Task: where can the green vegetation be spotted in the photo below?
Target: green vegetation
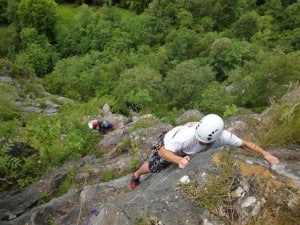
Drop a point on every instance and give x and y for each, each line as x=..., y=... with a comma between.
x=134, y=164
x=277, y=213
x=124, y=145
x=108, y=175
x=67, y=15
x=218, y=194
x=145, y=122
x=146, y=220
x=215, y=192
x=127, y=145
x=283, y=129
x=158, y=57
x=18, y=169
x=62, y=137
x=169, y=56
x=66, y=184
x=38, y=14
x=8, y=111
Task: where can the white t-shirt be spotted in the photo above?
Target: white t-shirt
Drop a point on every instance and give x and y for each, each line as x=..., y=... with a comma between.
x=182, y=140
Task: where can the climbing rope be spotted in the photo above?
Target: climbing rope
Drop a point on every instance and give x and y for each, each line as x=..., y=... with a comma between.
x=93, y=211
x=80, y=210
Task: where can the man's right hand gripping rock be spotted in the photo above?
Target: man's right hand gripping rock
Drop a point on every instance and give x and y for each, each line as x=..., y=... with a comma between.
x=184, y=162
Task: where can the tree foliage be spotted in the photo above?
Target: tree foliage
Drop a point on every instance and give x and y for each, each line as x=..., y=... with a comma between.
x=8, y=111
x=139, y=88
x=181, y=44
x=97, y=45
x=61, y=137
x=72, y=77
x=291, y=17
x=36, y=53
x=38, y=14
x=266, y=76
x=246, y=26
x=36, y=58
x=215, y=98
x=227, y=54
x=3, y=11
x=184, y=84
x=8, y=41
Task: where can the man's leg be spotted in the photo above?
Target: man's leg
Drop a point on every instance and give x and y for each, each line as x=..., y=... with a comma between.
x=144, y=169
x=135, y=180
x=154, y=165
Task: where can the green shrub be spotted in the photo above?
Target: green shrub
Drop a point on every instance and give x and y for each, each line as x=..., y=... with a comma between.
x=66, y=184
x=215, y=98
x=283, y=129
x=215, y=192
x=127, y=145
x=230, y=110
x=146, y=220
x=268, y=75
x=10, y=129
x=14, y=70
x=133, y=153
x=108, y=175
x=124, y=145
x=62, y=137
x=144, y=123
x=35, y=58
x=17, y=171
x=139, y=88
x=185, y=93
x=39, y=14
x=228, y=54
x=169, y=116
x=8, y=110
x=78, y=77
x=10, y=115
x=8, y=41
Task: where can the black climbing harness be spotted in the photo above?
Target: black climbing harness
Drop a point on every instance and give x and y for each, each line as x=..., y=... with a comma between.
x=156, y=163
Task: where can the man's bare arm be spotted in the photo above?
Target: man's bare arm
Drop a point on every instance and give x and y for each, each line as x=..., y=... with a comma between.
x=247, y=145
x=173, y=158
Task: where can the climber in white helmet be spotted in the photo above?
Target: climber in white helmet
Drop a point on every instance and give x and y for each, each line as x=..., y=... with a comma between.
x=177, y=145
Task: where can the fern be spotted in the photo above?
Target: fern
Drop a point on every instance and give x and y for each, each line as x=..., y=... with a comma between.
x=3, y=161
x=4, y=150
x=8, y=163
x=14, y=163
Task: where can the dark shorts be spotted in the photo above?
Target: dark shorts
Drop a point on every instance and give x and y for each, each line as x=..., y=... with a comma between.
x=156, y=163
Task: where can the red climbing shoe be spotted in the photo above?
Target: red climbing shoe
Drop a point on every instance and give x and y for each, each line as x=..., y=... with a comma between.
x=134, y=182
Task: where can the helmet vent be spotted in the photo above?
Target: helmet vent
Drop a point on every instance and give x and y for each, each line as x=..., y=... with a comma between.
x=209, y=138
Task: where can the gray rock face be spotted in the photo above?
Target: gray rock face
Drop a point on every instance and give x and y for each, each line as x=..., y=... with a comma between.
x=36, y=101
x=159, y=196
x=192, y=113
x=115, y=203
x=106, y=110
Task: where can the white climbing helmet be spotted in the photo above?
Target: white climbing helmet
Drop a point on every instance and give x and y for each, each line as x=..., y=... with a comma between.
x=93, y=124
x=209, y=128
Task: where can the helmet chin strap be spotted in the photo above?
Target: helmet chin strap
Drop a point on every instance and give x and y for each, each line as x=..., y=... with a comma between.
x=203, y=143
